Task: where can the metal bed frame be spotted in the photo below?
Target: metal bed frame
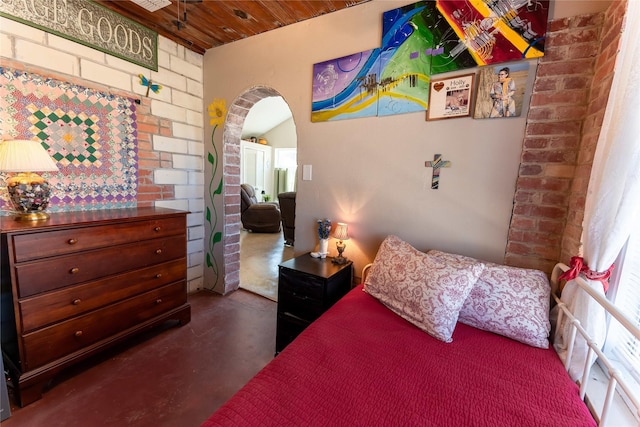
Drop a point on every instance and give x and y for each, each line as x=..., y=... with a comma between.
x=615, y=376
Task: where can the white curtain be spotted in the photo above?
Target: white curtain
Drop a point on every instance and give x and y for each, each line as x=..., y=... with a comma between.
x=613, y=198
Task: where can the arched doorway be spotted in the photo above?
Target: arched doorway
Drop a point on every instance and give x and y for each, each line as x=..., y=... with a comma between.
x=236, y=115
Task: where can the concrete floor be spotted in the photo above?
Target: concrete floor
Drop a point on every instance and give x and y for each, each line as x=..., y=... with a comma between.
x=173, y=377
x=260, y=254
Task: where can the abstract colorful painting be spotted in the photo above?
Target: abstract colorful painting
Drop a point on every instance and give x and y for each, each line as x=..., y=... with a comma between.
x=346, y=87
x=421, y=40
x=468, y=33
x=90, y=134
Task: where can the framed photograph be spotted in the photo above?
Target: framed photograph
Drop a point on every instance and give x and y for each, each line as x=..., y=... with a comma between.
x=500, y=91
x=451, y=97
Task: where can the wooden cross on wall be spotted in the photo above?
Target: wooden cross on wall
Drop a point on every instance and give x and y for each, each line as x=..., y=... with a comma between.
x=436, y=164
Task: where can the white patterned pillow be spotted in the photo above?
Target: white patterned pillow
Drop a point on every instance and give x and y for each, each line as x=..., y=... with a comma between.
x=509, y=301
x=424, y=289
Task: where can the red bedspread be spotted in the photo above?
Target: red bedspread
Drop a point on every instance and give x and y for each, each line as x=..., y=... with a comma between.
x=362, y=365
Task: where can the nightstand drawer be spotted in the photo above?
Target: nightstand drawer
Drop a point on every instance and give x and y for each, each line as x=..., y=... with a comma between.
x=47, y=308
x=66, y=337
x=307, y=287
x=302, y=306
x=39, y=245
x=300, y=284
x=288, y=329
x=57, y=272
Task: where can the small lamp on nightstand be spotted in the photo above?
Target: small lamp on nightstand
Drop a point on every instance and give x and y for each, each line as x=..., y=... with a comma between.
x=341, y=234
x=29, y=192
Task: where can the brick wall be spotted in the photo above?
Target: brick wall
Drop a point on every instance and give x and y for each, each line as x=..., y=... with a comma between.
x=566, y=112
x=170, y=124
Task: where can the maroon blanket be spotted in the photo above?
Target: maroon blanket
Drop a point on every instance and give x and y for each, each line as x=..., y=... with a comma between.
x=362, y=365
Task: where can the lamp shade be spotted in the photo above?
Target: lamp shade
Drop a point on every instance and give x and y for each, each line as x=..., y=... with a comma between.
x=25, y=156
x=340, y=232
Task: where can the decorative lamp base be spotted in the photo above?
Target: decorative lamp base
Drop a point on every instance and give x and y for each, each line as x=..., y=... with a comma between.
x=340, y=260
x=29, y=193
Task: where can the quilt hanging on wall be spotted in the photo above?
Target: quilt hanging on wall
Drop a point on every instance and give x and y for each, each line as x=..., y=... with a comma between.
x=420, y=40
x=90, y=134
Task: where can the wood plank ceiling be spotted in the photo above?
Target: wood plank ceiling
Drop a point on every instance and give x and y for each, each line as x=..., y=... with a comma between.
x=201, y=25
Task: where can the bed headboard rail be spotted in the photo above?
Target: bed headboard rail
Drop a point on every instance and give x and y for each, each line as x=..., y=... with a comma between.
x=615, y=376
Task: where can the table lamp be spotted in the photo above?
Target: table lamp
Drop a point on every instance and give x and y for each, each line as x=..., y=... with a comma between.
x=29, y=192
x=341, y=234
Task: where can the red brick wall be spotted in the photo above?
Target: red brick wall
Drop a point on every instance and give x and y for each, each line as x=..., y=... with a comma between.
x=567, y=107
x=149, y=160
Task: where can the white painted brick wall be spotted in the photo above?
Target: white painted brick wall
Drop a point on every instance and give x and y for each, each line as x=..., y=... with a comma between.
x=196, y=233
x=22, y=31
x=169, y=78
x=193, y=117
x=45, y=57
x=188, y=191
x=196, y=205
x=172, y=145
x=105, y=75
x=181, y=205
x=187, y=162
x=6, y=46
x=75, y=49
x=196, y=147
x=171, y=176
x=195, y=88
x=187, y=131
x=187, y=101
x=169, y=111
x=183, y=67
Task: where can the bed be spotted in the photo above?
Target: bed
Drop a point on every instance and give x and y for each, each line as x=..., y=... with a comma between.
x=368, y=362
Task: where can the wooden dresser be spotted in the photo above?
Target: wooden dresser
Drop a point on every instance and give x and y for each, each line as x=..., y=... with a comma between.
x=81, y=281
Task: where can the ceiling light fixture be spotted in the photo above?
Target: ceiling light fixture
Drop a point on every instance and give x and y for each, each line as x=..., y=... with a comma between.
x=152, y=5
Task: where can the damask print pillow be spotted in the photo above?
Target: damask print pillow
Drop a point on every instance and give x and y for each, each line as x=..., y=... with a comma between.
x=509, y=301
x=426, y=290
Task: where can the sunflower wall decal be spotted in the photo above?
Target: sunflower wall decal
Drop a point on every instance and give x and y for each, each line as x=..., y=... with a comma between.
x=217, y=113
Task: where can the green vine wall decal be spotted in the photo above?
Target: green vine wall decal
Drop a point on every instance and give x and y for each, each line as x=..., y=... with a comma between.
x=217, y=112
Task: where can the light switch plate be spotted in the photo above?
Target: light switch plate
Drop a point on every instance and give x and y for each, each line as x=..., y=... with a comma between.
x=306, y=172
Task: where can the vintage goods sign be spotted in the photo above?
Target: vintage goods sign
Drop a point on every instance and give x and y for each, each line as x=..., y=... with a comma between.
x=88, y=23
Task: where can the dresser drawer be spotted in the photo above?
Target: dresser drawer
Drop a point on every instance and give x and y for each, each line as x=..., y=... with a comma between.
x=54, y=273
x=47, y=308
x=53, y=342
x=39, y=245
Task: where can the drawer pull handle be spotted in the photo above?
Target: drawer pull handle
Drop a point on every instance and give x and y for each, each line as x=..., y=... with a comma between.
x=159, y=301
x=74, y=270
x=77, y=301
x=159, y=275
x=158, y=251
x=157, y=229
x=78, y=333
x=72, y=241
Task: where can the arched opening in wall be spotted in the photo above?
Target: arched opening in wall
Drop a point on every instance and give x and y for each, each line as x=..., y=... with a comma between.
x=253, y=253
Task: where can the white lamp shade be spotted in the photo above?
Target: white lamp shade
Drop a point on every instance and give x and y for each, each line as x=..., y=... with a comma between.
x=25, y=156
x=340, y=232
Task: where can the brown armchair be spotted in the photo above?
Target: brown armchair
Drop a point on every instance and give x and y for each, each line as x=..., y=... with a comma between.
x=288, y=212
x=255, y=216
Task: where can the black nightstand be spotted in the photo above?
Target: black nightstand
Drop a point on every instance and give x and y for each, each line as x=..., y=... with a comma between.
x=307, y=287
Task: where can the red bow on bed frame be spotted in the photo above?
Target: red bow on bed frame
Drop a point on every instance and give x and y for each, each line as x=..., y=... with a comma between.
x=577, y=266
